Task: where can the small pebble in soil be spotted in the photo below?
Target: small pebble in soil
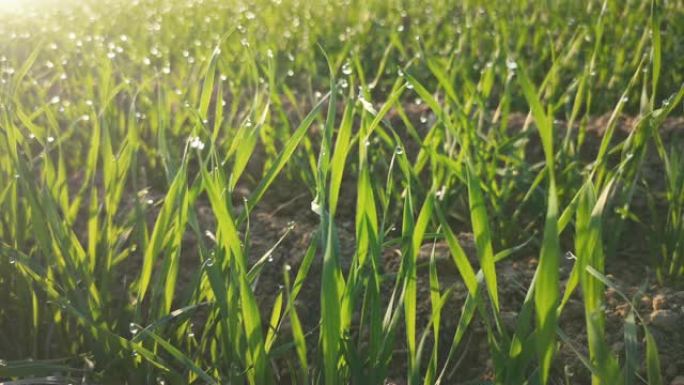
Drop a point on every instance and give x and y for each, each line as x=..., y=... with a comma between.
x=659, y=302
x=667, y=320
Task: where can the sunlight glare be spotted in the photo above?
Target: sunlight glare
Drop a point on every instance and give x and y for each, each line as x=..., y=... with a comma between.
x=13, y=6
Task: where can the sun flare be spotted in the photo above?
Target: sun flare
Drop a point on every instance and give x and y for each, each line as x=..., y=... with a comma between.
x=10, y=3
x=23, y=6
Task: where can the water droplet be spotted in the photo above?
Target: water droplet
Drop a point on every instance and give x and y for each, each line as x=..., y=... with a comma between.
x=367, y=105
x=346, y=68
x=440, y=194
x=399, y=150
x=210, y=262
x=133, y=328
x=196, y=143
x=315, y=207
x=423, y=118
x=288, y=267
x=50, y=139
x=511, y=64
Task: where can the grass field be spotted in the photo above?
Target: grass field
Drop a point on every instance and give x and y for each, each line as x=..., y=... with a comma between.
x=342, y=192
